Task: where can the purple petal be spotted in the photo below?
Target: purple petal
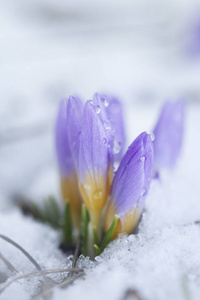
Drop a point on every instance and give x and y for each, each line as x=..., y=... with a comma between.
x=133, y=176
x=193, y=42
x=99, y=106
x=63, y=151
x=67, y=128
x=74, y=122
x=110, y=111
x=93, y=154
x=148, y=162
x=169, y=134
x=115, y=114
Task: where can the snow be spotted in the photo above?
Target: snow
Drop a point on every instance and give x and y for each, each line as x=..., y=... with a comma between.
x=49, y=51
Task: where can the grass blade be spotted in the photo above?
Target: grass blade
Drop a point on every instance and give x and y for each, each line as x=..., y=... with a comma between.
x=109, y=234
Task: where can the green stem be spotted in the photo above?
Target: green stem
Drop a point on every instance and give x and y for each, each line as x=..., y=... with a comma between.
x=67, y=225
x=84, y=229
x=90, y=241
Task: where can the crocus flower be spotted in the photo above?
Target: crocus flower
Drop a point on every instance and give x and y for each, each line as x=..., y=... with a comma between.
x=86, y=147
x=130, y=185
x=86, y=138
x=68, y=175
x=169, y=134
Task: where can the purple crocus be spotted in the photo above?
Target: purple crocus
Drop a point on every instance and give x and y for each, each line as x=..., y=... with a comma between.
x=86, y=138
x=169, y=134
x=130, y=185
x=89, y=140
x=68, y=175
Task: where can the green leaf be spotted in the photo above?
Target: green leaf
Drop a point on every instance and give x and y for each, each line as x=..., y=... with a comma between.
x=51, y=212
x=39, y=213
x=67, y=225
x=97, y=250
x=84, y=228
x=55, y=212
x=47, y=211
x=109, y=234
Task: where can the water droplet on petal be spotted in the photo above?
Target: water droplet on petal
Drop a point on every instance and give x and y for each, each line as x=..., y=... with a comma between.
x=109, y=144
x=98, y=195
x=105, y=102
x=152, y=136
x=107, y=126
x=143, y=192
x=116, y=147
x=115, y=166
x=87, y=187
x=142, y=158
x=97, y=109
x=104, y=140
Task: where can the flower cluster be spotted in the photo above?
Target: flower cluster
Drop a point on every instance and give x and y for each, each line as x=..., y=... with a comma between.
x=90, y=143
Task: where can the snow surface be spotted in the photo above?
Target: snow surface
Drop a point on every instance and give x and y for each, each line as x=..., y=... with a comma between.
x=49, y=51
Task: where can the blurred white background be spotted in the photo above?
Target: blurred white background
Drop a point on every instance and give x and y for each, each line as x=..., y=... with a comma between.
x=144, y=51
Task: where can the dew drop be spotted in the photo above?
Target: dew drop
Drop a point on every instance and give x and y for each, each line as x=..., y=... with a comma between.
x=87, y=186
x=104, y=140
x=109, y=145
x=116, y=147
x=105, y=102
x=143, y=192
x=107, y=126
x=115, y=166
x=152, y=136
x=142, y=158
x=97, y=109
x=98, y=194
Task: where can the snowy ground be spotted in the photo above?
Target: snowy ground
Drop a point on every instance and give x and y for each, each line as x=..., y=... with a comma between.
x=49, y=51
